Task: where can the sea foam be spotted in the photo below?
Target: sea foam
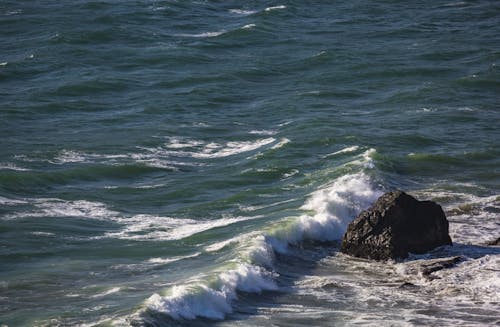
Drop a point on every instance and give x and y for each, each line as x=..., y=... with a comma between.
x=212, y=300
x=330, y=207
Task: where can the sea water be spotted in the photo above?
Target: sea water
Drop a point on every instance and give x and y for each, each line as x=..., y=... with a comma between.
x=195, y=163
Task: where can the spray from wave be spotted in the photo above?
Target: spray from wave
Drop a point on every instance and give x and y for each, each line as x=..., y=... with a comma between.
x=329, y=211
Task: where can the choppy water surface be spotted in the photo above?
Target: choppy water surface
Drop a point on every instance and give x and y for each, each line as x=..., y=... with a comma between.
x=169, y=163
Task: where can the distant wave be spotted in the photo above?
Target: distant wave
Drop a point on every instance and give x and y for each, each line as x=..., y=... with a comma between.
x=11, y=166
x=242, y=12
x=275, y=8
x=203, y=34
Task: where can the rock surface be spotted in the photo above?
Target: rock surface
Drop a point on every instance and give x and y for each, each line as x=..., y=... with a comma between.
x=494, y=242
x=396, y=225
x=438, y=264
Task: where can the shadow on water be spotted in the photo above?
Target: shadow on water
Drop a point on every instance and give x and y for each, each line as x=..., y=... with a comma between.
x=300, y=261
x=470, y=251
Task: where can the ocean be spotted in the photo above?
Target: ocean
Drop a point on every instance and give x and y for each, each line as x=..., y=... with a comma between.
x=195, y=163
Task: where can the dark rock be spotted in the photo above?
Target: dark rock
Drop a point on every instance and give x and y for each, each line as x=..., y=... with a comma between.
x=439, y=264
x=408, y=285
x=394, y=226
x=494, y=242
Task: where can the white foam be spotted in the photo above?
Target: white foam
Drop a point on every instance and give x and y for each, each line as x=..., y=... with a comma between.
x=179, y=143
x=152, y=157
x=345, y=150
x=11, y=166
x=332, y=207
x=248, y=26
x=220, y=245
x=212, y=300
x=275, y=8
x=69, y=156
x=293, y=172
x=474, y=283
x=478, y=279
x=242, y=12
x=364, y=159
x=164, y=261
x=263, y=132
x=53, y=207
x=10, y=202
x=3, y=63
x=281, y=143
x=14, y=12
x=79, y=208
x=473, y=219
x=42, y=234
x=254, y=208
x=204, y=34
x=107, y=292
x=216, y=150
x=158, y=228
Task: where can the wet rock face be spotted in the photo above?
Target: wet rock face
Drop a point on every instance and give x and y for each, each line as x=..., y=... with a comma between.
x=494, y=242
x=394, y=226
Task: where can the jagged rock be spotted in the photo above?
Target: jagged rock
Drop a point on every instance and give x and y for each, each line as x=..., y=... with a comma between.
x=408, y=285
x=439, y=264
x=494, y=242
x=396, y=225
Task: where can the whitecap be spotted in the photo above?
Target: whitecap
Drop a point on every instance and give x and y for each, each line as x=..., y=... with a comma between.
x=11, y=166
x=281, y=143
x=53, y=207
x=342, y=151
x=216, y=150
x=285, y=123
x=332, y=208
x=203, y=35
x=107, y=292
x=158, y=228
x=248, y=26
x=180, y=143
x=234, y=240
x=14, y=12
x=70, y=156
x=293, y=172
x=212, y=300
x=263, y=132
x=275, y=8
x=164, y=261
x=10, y=202
x=242, y=12
x=42, y=234
x=364, y=159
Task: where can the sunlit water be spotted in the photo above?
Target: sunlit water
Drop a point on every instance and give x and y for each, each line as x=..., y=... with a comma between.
x=195, y=163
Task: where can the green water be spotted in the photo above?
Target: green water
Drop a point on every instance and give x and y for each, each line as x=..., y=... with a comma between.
x=148, y=145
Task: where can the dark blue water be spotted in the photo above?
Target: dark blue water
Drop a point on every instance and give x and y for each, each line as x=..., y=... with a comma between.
x=170, y=162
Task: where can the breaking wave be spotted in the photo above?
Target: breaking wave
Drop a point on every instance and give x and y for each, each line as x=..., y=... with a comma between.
x=329, y=210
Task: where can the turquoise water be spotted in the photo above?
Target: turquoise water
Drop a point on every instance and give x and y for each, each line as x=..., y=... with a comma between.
x=169, y=163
